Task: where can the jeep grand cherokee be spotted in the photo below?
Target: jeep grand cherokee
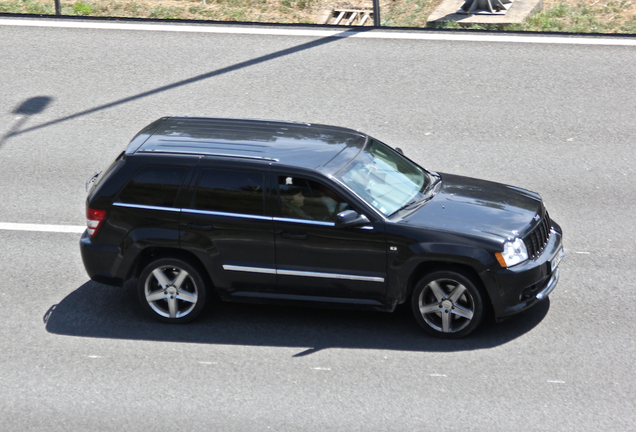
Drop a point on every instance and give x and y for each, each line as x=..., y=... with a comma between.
x=278, y=212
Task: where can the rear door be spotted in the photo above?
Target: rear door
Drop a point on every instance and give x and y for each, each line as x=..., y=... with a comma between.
x=225, y=224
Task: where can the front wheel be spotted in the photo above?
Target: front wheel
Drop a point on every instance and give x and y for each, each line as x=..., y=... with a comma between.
x=172, y=290
x=448, y=304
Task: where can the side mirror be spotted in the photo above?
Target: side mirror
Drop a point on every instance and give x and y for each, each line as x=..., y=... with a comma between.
x=350, y=218
x=399, y=150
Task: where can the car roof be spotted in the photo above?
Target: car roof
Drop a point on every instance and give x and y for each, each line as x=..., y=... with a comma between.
x=298, y=144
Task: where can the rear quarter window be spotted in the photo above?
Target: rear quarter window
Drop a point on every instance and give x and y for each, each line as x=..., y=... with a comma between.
x=154, y=186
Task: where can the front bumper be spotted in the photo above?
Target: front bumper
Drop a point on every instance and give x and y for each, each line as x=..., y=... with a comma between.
x=551, y=285
x=518, y=288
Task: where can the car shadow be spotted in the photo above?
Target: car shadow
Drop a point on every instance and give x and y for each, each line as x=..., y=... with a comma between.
x=101, y=311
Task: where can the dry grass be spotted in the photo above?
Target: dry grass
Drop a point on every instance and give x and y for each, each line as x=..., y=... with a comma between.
x=271, y=11
x=595, y=16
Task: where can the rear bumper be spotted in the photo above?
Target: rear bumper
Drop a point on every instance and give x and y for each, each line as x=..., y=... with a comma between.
x=99, y=261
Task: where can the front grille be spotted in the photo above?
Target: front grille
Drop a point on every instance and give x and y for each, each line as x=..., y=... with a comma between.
x=539, y=237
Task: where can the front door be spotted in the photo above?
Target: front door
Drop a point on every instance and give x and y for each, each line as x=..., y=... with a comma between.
x=315, y=259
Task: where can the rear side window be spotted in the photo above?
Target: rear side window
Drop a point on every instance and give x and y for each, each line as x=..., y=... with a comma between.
x=230, y=192
x=154, y=186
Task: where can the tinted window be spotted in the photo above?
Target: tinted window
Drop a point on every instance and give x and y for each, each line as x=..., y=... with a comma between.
x=230, y=192
x=155, y=186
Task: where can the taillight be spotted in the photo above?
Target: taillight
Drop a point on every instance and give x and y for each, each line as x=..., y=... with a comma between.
x=94, y=219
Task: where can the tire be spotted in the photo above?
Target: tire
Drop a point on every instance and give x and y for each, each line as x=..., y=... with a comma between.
x=172, y=290
x=448, y=304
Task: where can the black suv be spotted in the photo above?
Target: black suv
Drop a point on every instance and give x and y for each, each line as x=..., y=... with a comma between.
x=262, y=211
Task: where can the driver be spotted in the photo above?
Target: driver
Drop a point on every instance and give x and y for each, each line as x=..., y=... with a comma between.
x=304, y=199
x=293, y=204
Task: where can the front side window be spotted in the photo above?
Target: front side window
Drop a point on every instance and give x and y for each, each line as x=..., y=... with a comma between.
x=306, y=199
x=154, y=186
x=230, y=192
x=384, y=178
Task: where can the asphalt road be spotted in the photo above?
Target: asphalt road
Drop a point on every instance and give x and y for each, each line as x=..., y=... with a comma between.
x=556, y=118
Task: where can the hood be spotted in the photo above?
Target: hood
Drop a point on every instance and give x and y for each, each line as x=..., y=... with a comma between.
x=473, y=206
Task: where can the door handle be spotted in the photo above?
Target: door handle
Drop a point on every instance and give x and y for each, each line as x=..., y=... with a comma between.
x=294, y=236
x=196, y=226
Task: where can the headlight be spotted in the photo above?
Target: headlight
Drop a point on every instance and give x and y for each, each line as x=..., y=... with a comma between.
x=514, y=252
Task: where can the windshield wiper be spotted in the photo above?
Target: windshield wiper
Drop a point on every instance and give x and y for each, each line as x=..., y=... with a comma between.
x=91, y=180
x=429, y=189
x=421, y=197
x=436, y=179
x=410, y=204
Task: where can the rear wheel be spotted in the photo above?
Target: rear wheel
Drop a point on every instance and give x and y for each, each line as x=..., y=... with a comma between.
x=172, y=290
x=448, y=304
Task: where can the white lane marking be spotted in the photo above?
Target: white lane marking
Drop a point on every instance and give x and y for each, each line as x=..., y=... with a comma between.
x=42, y=228
x=556, y=382
x=320, y=32
x=583, y=253
x=321, y=368
x=438, y=375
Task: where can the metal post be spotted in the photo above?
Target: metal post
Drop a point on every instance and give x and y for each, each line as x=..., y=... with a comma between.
x=376, y=13
x=58, y=8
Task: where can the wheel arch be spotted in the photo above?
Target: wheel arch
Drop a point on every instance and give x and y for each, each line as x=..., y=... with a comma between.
x=426, y=267
x=149, y=254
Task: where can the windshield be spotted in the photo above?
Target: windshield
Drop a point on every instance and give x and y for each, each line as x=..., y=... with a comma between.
x=384, y=178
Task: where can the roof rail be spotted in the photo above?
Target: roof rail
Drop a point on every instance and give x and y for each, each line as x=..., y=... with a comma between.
x=207, y=153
